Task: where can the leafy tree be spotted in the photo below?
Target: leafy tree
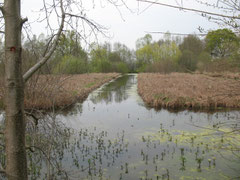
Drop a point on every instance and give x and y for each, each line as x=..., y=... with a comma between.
x=169, y=51
x=188, y=61
x=222, y=42
x=141, y=42
x=69, y=43
x=126, y=55
x=103, y=59
x=151, y=52
x=193, y=44
x=99, y=59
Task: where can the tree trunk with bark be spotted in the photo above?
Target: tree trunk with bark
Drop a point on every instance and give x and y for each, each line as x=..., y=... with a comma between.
x=16, y=168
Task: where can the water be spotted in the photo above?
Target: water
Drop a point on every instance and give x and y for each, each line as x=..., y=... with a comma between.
x=113, y=135
x=118, y=137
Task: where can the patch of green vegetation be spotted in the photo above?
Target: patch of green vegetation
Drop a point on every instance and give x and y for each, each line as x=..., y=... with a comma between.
x=207, y=138
x=163, y=97
x=89, y=85
x=204, y=151
x=74, y=93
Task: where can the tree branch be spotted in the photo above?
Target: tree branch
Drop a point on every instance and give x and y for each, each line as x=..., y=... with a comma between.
x=24, y=20
x=44, y=59
x=2, y=9
x=189, y=9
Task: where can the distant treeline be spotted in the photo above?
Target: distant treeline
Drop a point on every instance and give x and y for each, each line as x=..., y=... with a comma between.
x=218, y=51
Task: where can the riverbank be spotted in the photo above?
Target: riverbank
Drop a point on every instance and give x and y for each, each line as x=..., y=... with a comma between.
x=63, y=90
x=58, y=91
x=190, y=91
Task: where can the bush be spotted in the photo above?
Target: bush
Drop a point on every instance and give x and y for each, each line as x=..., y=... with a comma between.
x=101, y=65
x=121, y=67
x=71, y=65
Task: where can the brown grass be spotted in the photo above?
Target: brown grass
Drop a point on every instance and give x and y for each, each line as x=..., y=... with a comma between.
x=56, y=91
x=190, y=91
x=48, y=91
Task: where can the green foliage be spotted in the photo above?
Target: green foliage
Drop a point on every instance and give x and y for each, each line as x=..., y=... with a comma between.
x=170, y=51
x=152, y=53
x=103, y=59
x=203, y=60
x=69, y=44
x=222, y=42
x=122, y=67
x=71, y=65
x=141, y=42
x=193, y=44
x=188, y=61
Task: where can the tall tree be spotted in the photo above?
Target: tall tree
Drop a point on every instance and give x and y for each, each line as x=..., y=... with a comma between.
x=222, y=42
x=14, y=92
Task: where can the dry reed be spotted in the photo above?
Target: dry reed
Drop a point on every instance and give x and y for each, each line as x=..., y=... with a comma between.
x=56, y=91
x=48, y=91
x=190, y=91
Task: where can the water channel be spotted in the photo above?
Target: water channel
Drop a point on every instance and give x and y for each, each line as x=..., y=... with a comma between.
x=120, y=138
x=115, y=136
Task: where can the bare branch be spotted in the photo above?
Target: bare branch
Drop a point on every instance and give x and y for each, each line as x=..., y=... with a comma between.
x=44, y=59
x=175, y=34
x=1, y=9
x=24, y=20
x=190, y=9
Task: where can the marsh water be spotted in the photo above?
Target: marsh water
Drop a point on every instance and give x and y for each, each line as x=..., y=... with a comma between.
x=114, y=135
x=117, y=137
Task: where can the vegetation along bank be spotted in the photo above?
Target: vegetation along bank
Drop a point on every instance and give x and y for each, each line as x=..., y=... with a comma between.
x=190, y=91
x=48, y=91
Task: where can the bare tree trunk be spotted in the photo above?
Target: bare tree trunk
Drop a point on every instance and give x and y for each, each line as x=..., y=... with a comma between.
x=14, y=99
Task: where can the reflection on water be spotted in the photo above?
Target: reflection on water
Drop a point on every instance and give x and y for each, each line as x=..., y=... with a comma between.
x=112, y=135
x=115, y=91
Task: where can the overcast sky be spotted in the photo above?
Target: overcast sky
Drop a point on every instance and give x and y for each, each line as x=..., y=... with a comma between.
x=128, y=26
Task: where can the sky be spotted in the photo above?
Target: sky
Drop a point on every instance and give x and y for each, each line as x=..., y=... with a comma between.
x=126, y=26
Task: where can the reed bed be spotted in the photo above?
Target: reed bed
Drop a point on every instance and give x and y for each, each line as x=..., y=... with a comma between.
x=190, y=91
x=57, y=91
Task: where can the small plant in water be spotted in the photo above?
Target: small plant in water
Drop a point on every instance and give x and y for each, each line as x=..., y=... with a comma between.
x=199, y=161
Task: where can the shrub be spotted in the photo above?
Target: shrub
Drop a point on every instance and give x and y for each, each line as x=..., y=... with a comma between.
x=71, y=65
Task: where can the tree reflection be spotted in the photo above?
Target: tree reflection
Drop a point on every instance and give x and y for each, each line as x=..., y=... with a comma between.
x=115, y=91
